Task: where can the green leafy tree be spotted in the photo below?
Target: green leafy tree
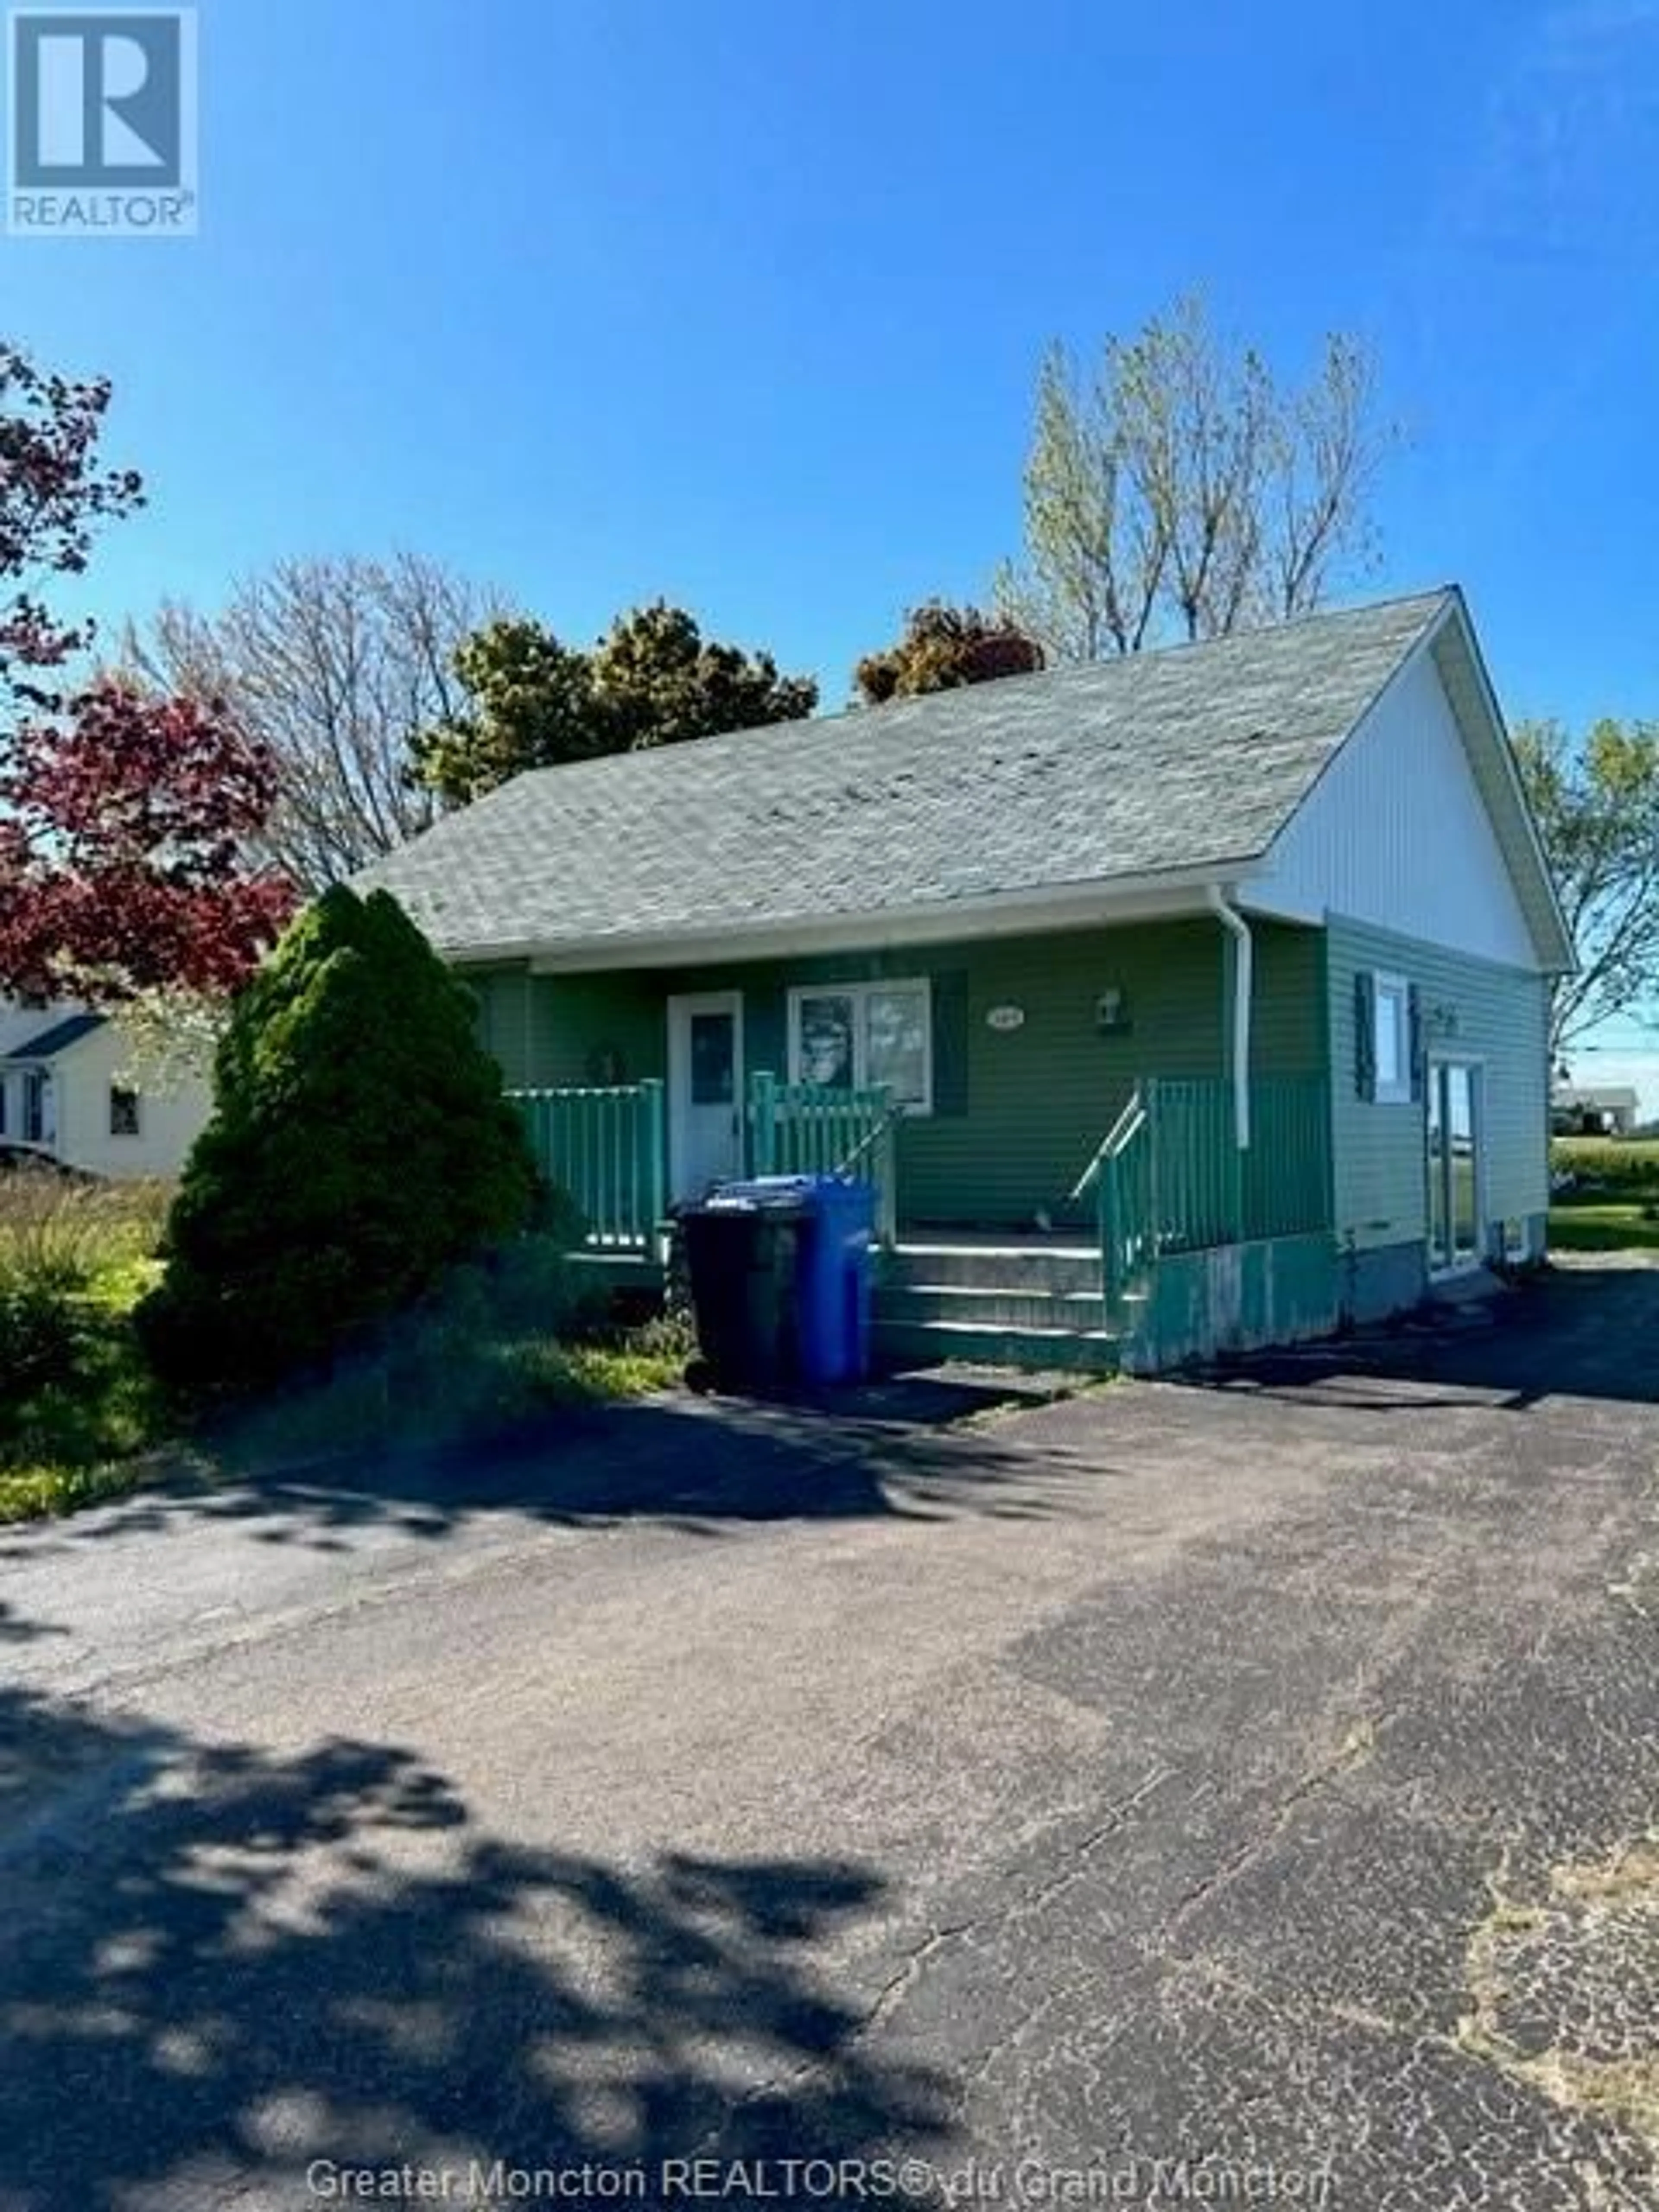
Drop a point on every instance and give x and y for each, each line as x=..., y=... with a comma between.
x=359, y=1147
x=660, y=681
x=653, y=679
x=943, y=646
x=1596, y=801
x=1182, y=490
x=530, y=703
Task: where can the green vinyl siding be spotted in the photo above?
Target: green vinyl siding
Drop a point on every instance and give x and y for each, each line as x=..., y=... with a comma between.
x=598, y=1028
x=1018, y=1112
x=548, y=1030
x=1470, y=1008
x=502, y=999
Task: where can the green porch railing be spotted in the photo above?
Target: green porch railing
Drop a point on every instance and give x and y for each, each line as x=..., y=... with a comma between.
x=806, y=1128
x=1170, y=1176
x=605, y=1146
x=1287, y=1173
x=1122, y=1174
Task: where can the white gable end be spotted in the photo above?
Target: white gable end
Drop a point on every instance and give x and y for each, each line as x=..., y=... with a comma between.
x=1397, y=833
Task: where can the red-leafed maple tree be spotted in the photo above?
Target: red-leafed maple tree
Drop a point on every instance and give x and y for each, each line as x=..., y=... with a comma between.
x=125, y=819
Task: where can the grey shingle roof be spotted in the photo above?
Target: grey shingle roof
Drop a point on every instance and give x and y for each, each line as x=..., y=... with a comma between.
x=1186, y=758
x=46, y=1043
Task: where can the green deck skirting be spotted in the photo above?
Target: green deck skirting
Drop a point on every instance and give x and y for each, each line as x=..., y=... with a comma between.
x=1238, y=1297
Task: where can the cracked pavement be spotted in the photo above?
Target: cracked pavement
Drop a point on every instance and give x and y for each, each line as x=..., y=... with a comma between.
x=1197, y=1788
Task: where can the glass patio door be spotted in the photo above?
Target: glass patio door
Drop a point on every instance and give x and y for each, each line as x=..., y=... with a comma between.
x=1455, y=1165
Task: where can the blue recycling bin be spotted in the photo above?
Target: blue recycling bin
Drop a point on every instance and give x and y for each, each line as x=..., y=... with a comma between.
x=780, y=1279
x=833, y=1281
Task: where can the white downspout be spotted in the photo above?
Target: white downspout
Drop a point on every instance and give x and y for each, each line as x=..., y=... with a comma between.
x=1231, y=920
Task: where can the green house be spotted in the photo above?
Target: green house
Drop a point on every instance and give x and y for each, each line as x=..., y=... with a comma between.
x=1183, y=1001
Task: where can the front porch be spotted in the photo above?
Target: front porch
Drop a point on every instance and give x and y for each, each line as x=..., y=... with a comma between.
x=1202, y=1220
x=1050, y=1120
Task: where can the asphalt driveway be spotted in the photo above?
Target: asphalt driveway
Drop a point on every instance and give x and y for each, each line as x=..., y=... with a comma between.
x=1213, y=1793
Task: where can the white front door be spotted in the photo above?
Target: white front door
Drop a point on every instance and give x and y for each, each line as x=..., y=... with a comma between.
x=705, y=1090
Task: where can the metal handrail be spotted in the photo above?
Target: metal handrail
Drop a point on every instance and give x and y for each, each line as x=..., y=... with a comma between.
x=1127, y=1126
x=894, y=1114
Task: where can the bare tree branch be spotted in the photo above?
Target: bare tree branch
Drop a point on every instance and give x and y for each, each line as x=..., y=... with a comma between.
x=339, y=665
x=1184, y=492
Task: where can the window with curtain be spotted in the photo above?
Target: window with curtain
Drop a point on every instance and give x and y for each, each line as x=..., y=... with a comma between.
x=853, y=1036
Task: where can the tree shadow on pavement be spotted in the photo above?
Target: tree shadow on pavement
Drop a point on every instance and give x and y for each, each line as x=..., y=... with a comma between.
x=699, y=1464
x=219, y=1965
x=15, y=1628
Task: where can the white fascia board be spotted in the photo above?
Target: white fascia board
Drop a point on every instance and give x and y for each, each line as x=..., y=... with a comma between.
x=1565, y=960
x=1102, y=903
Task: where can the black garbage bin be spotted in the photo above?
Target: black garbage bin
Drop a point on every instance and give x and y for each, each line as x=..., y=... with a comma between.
x=780, y=1280
x=742, y=1248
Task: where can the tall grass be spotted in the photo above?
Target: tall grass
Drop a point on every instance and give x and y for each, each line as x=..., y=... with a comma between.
x=497, y=1343
x=56, y=1232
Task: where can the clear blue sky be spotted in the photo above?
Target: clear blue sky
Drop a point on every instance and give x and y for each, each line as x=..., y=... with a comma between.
x=742, y=303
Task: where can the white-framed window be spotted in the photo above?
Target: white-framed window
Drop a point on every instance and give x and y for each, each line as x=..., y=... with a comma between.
x=853, y=1036
x=1391, y=1039
x=123, y=1110
x=35, y=1107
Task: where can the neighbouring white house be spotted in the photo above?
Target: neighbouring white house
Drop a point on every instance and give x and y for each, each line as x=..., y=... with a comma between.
x=1578, y=1110
x=67, y=1089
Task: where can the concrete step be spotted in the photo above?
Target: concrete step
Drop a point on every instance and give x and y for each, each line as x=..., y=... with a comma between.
x=1039, y=1268
x=1005, y=1305
x=1093, y=1352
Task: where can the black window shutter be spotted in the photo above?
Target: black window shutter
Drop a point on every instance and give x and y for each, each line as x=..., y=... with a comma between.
x=950, y=1042
x=1416, y=1041
x=766, y=1032
x=1365, y=1034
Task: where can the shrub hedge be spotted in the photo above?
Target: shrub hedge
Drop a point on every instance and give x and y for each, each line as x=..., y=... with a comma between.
x=1625, y=1166
x=359, y=1145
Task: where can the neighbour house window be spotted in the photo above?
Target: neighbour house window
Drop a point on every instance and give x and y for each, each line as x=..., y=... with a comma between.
x=123, y=1111
x=853, y=1036
x=35, y=1107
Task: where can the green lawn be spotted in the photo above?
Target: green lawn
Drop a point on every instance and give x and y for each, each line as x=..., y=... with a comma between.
x=1601, y=1224
x=1616, y=1184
